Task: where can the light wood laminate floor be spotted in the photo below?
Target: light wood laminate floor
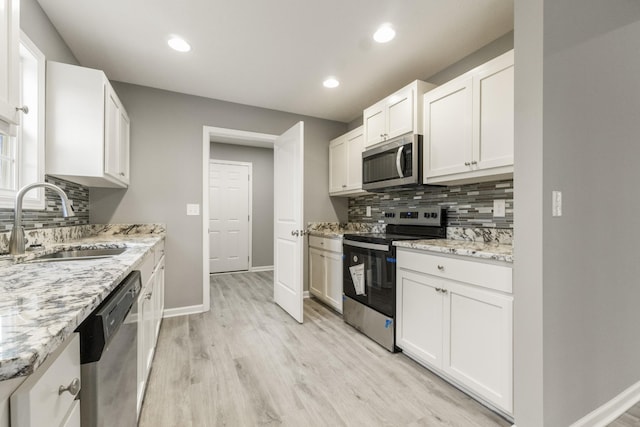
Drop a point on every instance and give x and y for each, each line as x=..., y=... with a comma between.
x=631, y=418
x=247, y=363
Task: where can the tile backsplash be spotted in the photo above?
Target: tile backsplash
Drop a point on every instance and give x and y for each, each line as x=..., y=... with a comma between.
x=51, y=216
x=468, y=205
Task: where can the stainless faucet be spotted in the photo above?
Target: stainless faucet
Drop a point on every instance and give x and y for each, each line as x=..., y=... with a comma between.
x=16, y=241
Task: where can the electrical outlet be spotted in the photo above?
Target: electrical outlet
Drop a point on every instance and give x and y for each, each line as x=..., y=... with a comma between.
x=193, y=209
x=499, y=208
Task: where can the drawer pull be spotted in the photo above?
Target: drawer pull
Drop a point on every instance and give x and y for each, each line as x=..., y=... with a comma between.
x=441, y=267
x=73, y=388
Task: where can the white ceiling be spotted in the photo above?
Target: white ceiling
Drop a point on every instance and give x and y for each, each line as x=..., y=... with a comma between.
x=276, y=53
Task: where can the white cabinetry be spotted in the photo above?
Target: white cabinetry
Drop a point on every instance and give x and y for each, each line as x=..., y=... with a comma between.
x=345, y=163
x=87, y=128
x=9, y=61
x=325, y=270
x=469, y=126
x=150, y=311
x=397, y=114
x=38, y=401
x=456, y=317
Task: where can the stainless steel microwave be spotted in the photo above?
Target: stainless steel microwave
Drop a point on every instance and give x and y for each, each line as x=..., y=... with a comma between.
x=394, y=163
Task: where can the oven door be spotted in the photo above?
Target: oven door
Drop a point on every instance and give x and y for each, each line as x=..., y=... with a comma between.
x=375, y=265
x=395, y=163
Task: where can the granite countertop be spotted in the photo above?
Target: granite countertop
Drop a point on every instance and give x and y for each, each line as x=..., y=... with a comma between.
x=493, y=251
x=41, y=304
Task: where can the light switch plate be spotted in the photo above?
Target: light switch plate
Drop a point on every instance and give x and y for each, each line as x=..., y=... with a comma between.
x=499, y=208
x=556, y=203
x=193, y=209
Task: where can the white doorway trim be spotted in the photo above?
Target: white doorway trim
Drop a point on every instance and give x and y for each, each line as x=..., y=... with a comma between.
x=249, y=166
x=227, y=136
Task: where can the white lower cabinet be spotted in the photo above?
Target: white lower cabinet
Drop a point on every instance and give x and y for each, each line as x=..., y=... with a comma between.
x=325, y=270
x=461, y=330
x=39, y=402
x=150, y=311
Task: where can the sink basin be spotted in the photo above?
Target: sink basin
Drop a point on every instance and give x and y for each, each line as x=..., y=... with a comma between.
x=80, y=254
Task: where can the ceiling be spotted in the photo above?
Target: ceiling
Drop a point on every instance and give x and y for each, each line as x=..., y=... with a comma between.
x=276, y=53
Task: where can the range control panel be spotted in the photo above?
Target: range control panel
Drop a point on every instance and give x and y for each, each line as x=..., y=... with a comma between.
x=435, y=216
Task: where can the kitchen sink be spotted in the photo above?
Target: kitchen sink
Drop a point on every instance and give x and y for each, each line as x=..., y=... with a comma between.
x=79, y=254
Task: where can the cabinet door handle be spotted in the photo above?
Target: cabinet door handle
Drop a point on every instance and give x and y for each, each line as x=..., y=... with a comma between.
x=73, y=388
x=444, y=291
x=467, y=164
x=148, y=296
x=344, y=185
x=441, y=267
x=438, y=289
x=295, y=233
x=24, y=109
x=474, y=162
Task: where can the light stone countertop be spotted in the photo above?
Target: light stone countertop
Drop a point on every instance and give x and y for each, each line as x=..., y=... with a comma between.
x=41, y=304
x=493, y=251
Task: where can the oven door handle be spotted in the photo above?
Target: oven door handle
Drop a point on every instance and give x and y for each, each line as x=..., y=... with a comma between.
x=364, y=245
x=398, y=161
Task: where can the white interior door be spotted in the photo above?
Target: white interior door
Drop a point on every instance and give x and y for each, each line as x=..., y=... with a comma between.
x=288, y=167
x=229, y=216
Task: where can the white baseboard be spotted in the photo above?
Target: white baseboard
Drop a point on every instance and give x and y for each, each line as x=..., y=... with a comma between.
x=183, y=311
x=261, y=268
x=607, y=413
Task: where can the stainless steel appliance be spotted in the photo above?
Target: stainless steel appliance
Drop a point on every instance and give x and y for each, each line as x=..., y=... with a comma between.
x=108, y=357
x=369, y=270
x=394, y=163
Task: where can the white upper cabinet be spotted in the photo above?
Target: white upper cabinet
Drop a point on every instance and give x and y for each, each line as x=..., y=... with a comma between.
x=345, y=163
x=87, y=128
x=468, y=126
x=397, y=114
x=9, y=62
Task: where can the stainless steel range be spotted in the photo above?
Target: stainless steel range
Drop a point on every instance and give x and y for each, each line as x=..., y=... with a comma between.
x=369, y=270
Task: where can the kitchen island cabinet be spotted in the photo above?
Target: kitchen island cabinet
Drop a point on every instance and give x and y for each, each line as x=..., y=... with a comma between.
x=345, y=164
x=150, y=312
x=87, y=128
x=455, y=316
x=32, y=346
x=469, y=126
x=40, y=401
x=325, y=270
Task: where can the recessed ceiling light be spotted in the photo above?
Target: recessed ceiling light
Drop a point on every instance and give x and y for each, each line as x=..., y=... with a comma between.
x=331, y=82
x=179, y=44
x=384, y=34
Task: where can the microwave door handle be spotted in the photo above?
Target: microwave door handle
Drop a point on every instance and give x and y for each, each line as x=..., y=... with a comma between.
x=398, y=161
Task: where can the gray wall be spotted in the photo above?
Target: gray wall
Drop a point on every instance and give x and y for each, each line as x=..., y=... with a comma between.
x=262, y=196
x=578, y=134
x=36, y=25
x=166, y=172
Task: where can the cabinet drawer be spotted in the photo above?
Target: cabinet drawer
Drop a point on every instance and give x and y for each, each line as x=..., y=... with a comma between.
x=492, y=276
x=37, y=401
x=328, y=244
x=158, y=252
x=146, y=268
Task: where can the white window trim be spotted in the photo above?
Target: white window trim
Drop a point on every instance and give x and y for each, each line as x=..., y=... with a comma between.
x=7, y=197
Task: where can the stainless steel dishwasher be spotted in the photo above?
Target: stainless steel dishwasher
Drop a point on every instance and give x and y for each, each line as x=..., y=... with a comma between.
x=108, y=357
